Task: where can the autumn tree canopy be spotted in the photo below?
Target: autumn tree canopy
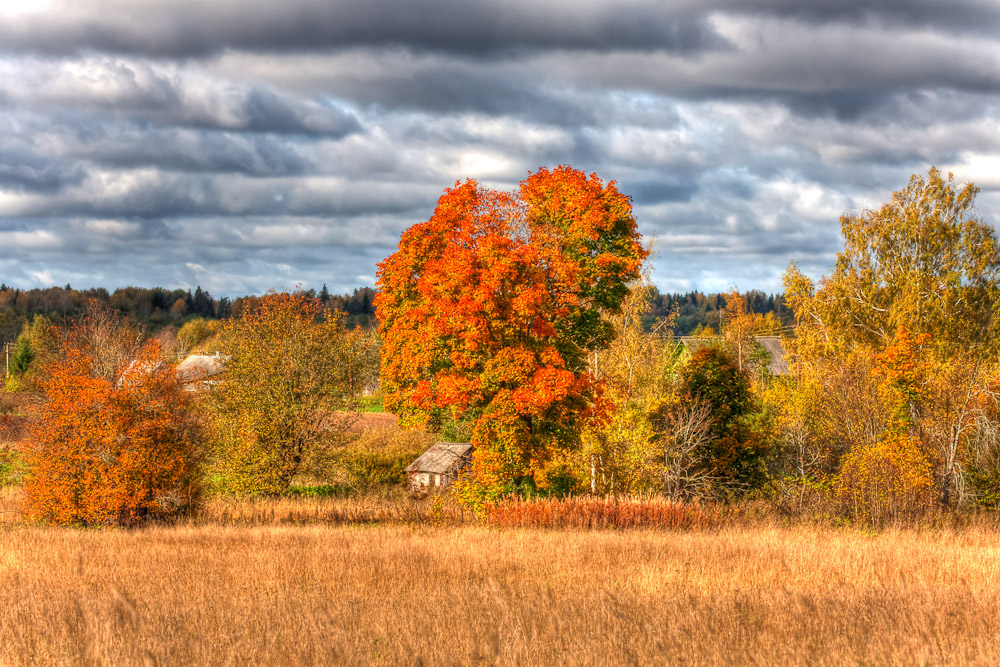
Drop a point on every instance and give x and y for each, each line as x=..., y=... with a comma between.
x=916, y=288
x=488, y=311
x=924, y=260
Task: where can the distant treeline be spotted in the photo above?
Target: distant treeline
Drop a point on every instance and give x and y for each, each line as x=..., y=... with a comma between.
x=157, y=307
x=697, y=310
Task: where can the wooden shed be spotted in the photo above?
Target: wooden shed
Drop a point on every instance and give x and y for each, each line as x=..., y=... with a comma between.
x=439, y=466
x=776, y=351
x=201, y=371
x=778, y=364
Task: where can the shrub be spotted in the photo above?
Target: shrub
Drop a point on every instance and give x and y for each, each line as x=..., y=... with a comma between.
x=367, y=468
x=8, y=402
x=9, y=468
x=986, y=487
x=372, y=403
x=732, y=453
x=12, y=429
x=319, y=491
x=380, y=455
x=116, y=450
x=888, y=482
x=197, y=332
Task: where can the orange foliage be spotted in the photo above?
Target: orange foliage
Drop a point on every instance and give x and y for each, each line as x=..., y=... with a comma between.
x=904, y=371
x=108, y=451
x=488, y=311
x=893, y=478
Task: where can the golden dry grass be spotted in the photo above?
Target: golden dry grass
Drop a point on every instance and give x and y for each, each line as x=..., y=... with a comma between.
x=385, y=506
x=210, y=594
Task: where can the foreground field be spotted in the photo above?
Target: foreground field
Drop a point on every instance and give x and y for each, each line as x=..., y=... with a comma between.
x=412, y=595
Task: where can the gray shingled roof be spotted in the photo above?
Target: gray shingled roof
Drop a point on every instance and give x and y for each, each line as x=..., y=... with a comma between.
x=200, y=367
x=441, y=458
x=773, y=345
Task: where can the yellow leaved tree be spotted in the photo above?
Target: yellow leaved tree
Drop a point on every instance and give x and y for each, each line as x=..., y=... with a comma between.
x=285, y=400
x=922, y=267
x=924, y=260
x=623, y=455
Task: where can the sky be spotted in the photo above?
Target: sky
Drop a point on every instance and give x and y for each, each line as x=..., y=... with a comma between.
x=245, y=146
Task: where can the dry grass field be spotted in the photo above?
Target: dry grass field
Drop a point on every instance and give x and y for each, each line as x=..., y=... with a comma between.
x=226, y=593
x=376, y=578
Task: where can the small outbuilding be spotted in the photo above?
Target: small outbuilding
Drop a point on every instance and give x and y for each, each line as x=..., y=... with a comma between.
x=776, y=353
x=201, y=371
x=439, y=466
x=777, y=365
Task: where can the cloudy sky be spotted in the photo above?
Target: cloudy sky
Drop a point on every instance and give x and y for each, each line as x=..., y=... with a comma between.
x=243, y=146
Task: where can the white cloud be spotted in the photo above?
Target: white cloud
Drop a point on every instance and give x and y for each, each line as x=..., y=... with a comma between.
x=153, y=142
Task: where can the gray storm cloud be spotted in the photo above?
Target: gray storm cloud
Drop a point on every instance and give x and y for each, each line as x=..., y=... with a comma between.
x=246, y=146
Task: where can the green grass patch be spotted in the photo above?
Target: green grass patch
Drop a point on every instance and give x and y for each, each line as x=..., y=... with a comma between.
x=11, y=468
x=371, y=403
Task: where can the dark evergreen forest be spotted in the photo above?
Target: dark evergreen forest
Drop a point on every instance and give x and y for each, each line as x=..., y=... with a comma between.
x=159, y=307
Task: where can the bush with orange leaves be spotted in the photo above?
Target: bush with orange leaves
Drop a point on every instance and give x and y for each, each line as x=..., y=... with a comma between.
x=888, y=482
x=115, y=444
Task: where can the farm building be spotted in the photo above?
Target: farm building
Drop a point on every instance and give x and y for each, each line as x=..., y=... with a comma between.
x=199, y=371
x=775, y=350
x=774, y=347
x=136, y=370
x=439, y=466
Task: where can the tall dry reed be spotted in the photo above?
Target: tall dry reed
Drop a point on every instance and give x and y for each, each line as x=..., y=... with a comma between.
x=601, y=514
x=385, y=507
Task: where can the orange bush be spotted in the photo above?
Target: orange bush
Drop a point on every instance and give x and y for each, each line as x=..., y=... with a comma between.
x=599, y=513
x=111, y=450
x=886, y=482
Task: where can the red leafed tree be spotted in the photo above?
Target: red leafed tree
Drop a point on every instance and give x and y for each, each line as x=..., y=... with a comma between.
x=116, y=442
x=489, y=309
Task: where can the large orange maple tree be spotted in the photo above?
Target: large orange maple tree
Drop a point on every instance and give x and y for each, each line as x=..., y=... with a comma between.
x=489, y=309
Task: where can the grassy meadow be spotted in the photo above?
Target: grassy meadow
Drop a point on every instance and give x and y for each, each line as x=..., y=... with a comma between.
x=372, y=576
x=254, y=588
